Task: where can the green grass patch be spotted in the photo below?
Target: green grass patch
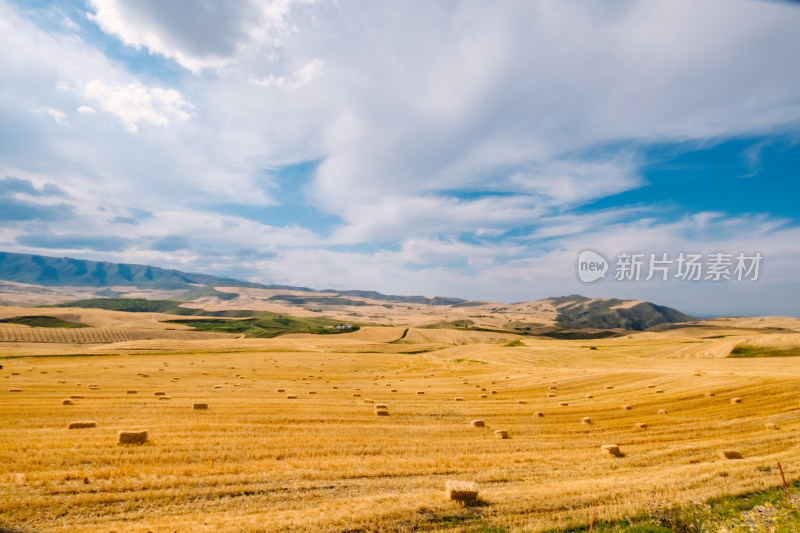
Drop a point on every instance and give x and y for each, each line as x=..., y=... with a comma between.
x=746, y=350
x=269, y=326
x=514, y=343
x=766, y=510
x=42, y=322
x=461, y=360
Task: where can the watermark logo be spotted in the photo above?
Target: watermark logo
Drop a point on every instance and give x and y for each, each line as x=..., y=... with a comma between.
x=685, y=266
x=591, y=266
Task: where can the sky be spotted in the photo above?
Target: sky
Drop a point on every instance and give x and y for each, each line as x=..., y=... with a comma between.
x=459, y=148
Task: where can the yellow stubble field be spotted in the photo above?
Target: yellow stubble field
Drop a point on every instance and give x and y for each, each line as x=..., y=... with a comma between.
x=256, y=460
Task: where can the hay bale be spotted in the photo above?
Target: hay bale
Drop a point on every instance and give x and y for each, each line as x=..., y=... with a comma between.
x=551, y=395
x=382, y=412
x=420, y=392
x=367, y=400
x=291, y=396
x=710, y=395
x=612, y=449
x=589, y=396
x=66, y=402
x=626, y=407
x=730, y=454
x=132, y=437
x=356, y=395
x=199, y=406
x=586, y=420
x=159, y=393
x=662, y=411
x=501, y=434
x=461, y=491
x=312, y=392
x=770, y=425
x=736, y=400
x=651, y=386
x=458, y=399
x=281, y=390
x=393, y=390
x=640, y=425
x=131, y=392
x=521, y=402
x=217, y=387
x=660, y=391
x=609, y=386
x=82, y=424
x=563, y=404
x=164, y=398
x=477, y=423
x=381, y=406
x=494, y=392
x=538, y=414
x=484, y=396
x=14, y=390
x=76, y=396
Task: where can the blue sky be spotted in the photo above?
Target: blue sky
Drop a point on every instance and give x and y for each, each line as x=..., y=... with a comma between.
x=468, y=149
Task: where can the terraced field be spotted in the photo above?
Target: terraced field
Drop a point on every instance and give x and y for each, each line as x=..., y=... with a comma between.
x=258, y=460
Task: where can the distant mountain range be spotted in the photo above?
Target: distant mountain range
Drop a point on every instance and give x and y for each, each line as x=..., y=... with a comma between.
x=67, y=272
x=564, y=317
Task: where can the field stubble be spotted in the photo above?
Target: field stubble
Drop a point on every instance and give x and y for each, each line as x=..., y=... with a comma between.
x=257, y=461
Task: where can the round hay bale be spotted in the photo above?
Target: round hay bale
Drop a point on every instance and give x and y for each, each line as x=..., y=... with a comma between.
x=381, y=406
x=640, y=425
x=76, y=396
x=494, y=392
x=589, y=396
x=420, y=392
x=82, y=424
x=770, y=425
x=710, y=395
x=217, y=387
x=522, y=402
x=501, y=434
x=586, y=420
x=730, y=454
x=736, y=400
x=164, y=398
x=382, y=412
x=612, y=449
x=199, y=406
x=131, y=392
x=281, y=390
x=478, y=423
x=159, y=393
x=14, y=390
x=66, y=402
x=609, y=386
x=461, y=491
x=458, y=399
x=563, y=404
x=356, y=395
x=626, y=408
x=538, y=414
x=291, y=396
x=367, y=400
x=484, y=396
x=132, y=437
x=393, y=390
x=312, y=392
x=660, y=391
x=662, y=411
x=551, y=395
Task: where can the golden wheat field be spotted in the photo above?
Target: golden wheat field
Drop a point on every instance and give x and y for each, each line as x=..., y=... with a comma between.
x=291, y=439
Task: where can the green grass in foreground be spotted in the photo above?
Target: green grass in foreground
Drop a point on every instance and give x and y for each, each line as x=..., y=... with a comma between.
x=746, y=350
x=42, y=322
x=768, y=510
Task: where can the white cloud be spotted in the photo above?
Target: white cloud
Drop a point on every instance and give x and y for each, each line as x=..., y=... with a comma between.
x=86, y=110
x=134, y=104
x=302, y=76
x=55, y=114
x=197, y=35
